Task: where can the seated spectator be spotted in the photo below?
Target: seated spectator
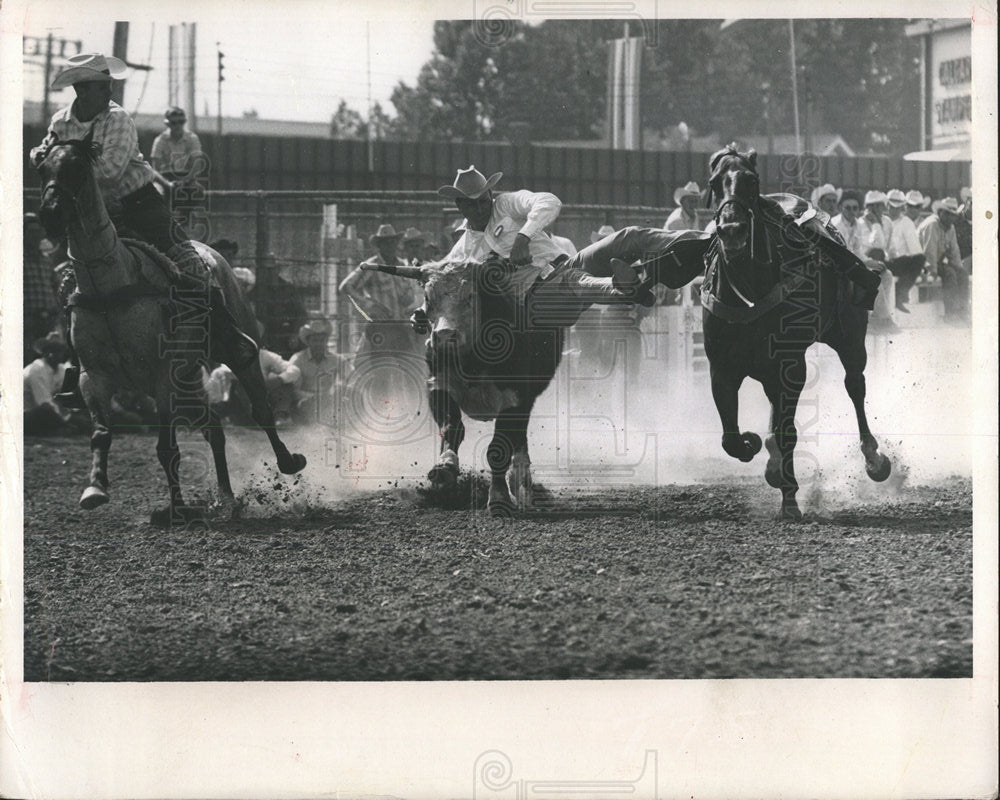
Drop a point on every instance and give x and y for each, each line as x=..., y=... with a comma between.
x=174, y=150
x=42, y=379
x=320, y=372
x=906, y=256
x=963, y=228
x=937, y=237
x=39, y=300
x=685, y=216
x=846, y=221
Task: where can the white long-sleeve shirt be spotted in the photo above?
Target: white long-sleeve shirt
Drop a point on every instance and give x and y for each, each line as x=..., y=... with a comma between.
x=41, y=382
x=904, y=240
x=874, y=234
x=513, y=213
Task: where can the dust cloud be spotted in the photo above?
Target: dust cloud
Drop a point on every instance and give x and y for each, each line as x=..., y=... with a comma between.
x=633, y=406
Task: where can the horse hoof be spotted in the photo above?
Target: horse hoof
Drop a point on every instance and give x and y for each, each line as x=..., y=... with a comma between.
x=292, y=464
x=881, y=470
x=790, y=512
x=443, y=476
x=742, y=446
x=772, y=472
x=93, y=497
x=179, y=515
x=752, y=443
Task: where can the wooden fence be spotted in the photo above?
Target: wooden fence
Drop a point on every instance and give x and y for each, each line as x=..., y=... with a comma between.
x=578, y=176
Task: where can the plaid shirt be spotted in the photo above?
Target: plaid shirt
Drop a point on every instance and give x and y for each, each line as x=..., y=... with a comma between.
x=121, y=168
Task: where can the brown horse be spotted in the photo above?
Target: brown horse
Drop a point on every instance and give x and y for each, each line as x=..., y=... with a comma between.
x=134, y=327
x=771, y=290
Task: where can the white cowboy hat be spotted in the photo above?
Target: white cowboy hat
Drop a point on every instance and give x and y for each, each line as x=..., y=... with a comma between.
x=384, y=232
x=470, y=183
x=822, y=191
x=946, y=204
x=690, y=189
x=896, y=198
x=315, y=327
x=874, y=197
x=600, y=233
x=914, y=198
x=965, y=193
x=413, y=235
x=87, y=67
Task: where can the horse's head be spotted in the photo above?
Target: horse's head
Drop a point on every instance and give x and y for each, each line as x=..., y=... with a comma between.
x=64, y=168
x=736, y=185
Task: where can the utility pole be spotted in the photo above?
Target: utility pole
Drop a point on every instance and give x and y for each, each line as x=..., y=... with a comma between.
x=218, y=118
x=368, y=127
x=119, y=49
x=48, y=73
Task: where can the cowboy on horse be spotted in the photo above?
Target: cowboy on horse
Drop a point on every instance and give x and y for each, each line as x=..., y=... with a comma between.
x=137, y=209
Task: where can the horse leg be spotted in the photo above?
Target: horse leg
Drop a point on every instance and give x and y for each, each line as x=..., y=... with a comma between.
x=725, y=392
x=509, y=436
x=783, y=389
x=215, y=435
x=169, y=455
x=252, y=380
x=854, y=359
x=448, y=417
x=97, y=394
x=519, y=474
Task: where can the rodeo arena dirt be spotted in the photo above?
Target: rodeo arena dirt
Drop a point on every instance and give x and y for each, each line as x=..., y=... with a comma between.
x=326, y=410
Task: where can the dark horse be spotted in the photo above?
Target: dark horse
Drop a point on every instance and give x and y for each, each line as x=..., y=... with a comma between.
x=133, y=327
x=773, y=288
x=490, y=355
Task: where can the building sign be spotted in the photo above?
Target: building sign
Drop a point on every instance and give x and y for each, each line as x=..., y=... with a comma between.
x=950, y=79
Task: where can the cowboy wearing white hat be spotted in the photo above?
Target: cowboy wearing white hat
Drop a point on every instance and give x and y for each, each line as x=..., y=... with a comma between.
x=874, y=230
x=826, y=198
x=319, y=369
x=906, y=256
x=684, y=217
x=125, y=180
x=944, y=259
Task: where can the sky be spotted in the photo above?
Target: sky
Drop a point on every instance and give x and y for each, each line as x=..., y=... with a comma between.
x=294, y=61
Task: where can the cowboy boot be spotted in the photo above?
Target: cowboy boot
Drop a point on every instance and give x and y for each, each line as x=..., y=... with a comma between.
x=633, y=289
x=235, y=348
x=69, y=396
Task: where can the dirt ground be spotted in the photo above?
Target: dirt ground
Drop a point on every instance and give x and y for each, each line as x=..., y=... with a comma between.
x=657, y=581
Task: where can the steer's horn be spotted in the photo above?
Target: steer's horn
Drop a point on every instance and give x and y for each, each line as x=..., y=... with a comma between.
x=400, y=272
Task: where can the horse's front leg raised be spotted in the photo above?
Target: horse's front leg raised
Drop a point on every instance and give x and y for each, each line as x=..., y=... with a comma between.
x=252, y=380
x=97, y=394
x=509, y=446
x=725, y=392
x=448, y=416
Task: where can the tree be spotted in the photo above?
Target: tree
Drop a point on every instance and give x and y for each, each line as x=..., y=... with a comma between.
x=346, y=123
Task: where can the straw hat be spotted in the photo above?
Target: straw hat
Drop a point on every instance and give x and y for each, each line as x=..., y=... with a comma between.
x=874, y=197
x=949, y=204
x=89, y=67
x=383, y=233
x=411, y=234
x=600, y=233
x=690, y=189
x=470, y=183
x=245, y=276
x=315, y=327
x=896, y=198
x=822, y=191
x=914, y=198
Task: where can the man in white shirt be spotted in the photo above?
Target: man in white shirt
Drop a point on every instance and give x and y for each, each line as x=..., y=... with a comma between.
x=42, y=379
x=906, y=256
x=874, y=230
x=175, y=151
x=846, y=222
x=684, y=217
x=937, y=236
x=512, y=225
